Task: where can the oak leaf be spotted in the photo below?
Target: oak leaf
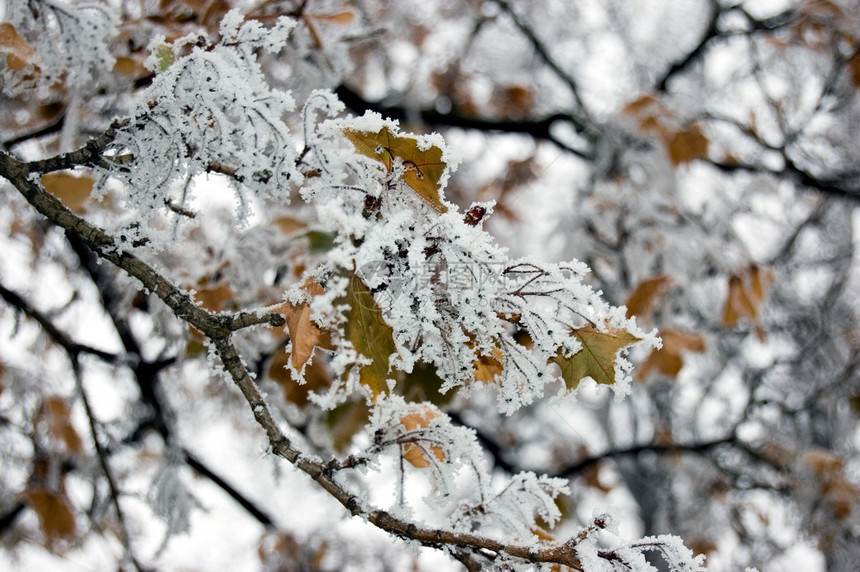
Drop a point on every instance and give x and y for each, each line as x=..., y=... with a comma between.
x=423, y=168
x=596, y=359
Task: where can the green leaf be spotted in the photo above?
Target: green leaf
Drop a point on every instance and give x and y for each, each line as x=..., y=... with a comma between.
x=370, y=336
x=423, y=168
x=597, y=357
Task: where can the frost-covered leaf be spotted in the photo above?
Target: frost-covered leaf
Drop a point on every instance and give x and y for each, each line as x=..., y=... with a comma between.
x=422, y=167
x=415, y=454
x=371, y=337
x=598, y=356
x=305, y=334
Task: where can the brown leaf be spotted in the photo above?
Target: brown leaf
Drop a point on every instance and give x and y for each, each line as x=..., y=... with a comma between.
x=56, y=518
x=317, y=377
x=289, y=225
x=641, y=301
x=746, y=293
x=854, y=70
x=18, y=51
x=597, y=357
x=423, y=167
x=669, y=359
x=304, y=333
x=214, y=297
x=687, y=144
x=72, y=190
x=339, y=18
x=57, y=416
x=488, y=367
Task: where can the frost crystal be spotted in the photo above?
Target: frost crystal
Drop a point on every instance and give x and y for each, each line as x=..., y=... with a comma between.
x=209, y=111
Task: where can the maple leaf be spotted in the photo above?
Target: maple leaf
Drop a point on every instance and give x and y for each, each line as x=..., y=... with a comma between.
x=596, y=359
x=487, y=367
x=423, y=167
x=370, y=335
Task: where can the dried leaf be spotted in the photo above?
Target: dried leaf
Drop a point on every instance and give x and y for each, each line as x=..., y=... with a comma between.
x=18, y=51
x=746, y=293
x=339, y=18
x=597, y=357
x=687, y=144
x=56, y=414
x=641, y=301
x=854, y=70
x=370, y=335
x=214, y=297
x=423, y=168
x=488, y=367
x=305, y=335
x=669, y=359
x=56, y=518
x=289, y=225
x=317, y=377
x=72, y=190
x=414, y=454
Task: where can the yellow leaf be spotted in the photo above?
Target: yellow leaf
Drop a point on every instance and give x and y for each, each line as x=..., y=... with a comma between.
x=423, y=168
x=414, y=454
x=370, y=335
x=18, y=51
x=73, y=191
x=56, y=518
x=596, y=358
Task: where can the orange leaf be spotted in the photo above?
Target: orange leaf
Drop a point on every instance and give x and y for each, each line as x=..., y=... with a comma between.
x=641, y=301
x=685, y=145
x=423, y=167
x=746, y=293
x=487, y=367
x=413, y=453
x=18, y=51
x=72, y=190
x=596, y=359
x=56, y=518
